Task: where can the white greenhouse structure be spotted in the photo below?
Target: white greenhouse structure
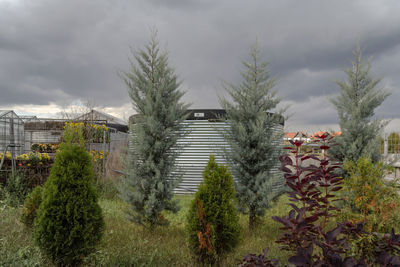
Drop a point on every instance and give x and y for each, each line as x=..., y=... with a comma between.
x=11, y=133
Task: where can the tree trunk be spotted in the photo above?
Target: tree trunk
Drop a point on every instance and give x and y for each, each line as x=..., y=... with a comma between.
x=252, y=219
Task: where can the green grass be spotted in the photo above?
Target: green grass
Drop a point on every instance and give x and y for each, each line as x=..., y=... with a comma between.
x=127, y=244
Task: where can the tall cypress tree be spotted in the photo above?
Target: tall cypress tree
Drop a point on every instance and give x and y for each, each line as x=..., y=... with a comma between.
x=154, y=90
x=252, y=136
x=356, y=106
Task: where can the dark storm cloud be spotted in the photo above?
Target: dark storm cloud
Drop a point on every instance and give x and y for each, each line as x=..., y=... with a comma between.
x=59, y=51
x=183, y=4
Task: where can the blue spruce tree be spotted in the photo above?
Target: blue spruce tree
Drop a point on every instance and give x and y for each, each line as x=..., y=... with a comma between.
x=356, y=106
x=252, y=136
x=150, y=180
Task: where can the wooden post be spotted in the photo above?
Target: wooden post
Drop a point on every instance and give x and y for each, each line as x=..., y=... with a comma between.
x=12, y=146
x=104, y=155
x=386, y=145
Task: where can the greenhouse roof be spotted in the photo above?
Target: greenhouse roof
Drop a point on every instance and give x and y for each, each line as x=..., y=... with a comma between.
x=4, y=112
x=98, y=115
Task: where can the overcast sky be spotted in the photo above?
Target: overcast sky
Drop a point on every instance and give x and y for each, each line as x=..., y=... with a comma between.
x=54, y=54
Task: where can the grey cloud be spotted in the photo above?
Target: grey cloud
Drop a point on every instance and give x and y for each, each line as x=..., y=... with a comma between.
x=59, y=51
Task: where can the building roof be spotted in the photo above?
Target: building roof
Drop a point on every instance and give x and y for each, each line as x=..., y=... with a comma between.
x=291, y=135
x=95, y=115
x=4, y=112
x=323, y=132
x=302, y=135
x=27, y=118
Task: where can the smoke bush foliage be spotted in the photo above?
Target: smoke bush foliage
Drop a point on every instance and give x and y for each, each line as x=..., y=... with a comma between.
x=356, y=105
x=255, y=148
x=69, y=222
x=310, y=231
x=213, y=223
x=150, y=180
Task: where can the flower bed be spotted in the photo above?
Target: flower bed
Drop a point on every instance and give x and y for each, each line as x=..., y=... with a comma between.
x=45, y=148
x=35, y=166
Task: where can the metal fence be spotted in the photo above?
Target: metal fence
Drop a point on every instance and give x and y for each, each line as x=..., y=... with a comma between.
x=390, y=143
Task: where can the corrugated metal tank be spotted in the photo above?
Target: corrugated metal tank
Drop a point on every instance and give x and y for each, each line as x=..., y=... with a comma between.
x=204, y=137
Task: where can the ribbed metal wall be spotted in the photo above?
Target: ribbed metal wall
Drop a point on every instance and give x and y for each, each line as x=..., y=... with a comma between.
x=204, y=138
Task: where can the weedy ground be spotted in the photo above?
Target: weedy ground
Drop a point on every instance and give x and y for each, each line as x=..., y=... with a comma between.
x=127, y=244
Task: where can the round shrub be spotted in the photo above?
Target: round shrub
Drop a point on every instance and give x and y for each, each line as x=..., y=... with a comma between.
x=69, y=221
x=213, y=223
x=31, y=205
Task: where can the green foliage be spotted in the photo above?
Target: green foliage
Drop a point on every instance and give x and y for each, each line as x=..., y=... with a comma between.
x=69, y=221
x=213, y=224
x=127, y=244
x=108, y=189
x=24, y=256
x=3, y=196
x=368, y=198
x=73, y=133
x=150, y=179
x=393, y=143
x=31, y=205
x=16, y=190
x=356, y=105
x=254, y=141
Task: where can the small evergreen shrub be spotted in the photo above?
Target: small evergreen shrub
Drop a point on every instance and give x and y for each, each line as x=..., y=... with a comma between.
x=69, y=222
x=16, y=190
x=31, y=205
x=213, y=223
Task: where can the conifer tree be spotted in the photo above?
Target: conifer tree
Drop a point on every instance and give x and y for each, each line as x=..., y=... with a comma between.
x=213, y=223
x=356, y=106
x=154, y=90
x=254, y=141
x=69, y=222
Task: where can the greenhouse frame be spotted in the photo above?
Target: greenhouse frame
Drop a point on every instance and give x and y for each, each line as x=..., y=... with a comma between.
x=12, y=135
x=11, y=140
